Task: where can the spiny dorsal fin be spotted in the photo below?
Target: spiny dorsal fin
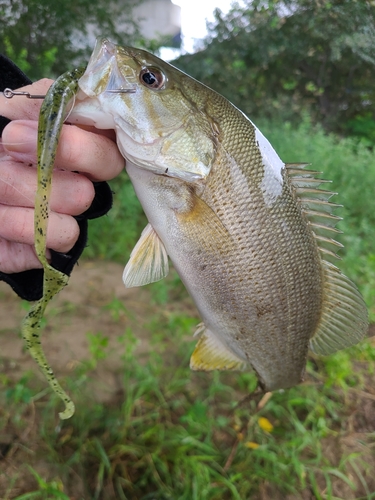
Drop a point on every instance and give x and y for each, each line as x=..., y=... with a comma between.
x=148, y=261
x=307, y=181
x=297, y=166
x=325, y=218
x=316, y=206
x=344, y=319
x=312, y=193
x=210, y=354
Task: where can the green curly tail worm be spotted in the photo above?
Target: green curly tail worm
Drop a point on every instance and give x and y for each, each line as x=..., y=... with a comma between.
x=51, y=119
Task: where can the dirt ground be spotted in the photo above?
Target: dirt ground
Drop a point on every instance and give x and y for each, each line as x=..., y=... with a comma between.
x=96, y=301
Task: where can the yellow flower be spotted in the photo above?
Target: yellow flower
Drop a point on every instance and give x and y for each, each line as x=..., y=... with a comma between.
x=240, y=436
x=252, y=445
x=265, y=424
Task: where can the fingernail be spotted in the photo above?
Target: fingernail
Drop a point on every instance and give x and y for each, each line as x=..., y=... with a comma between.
x=20, y=137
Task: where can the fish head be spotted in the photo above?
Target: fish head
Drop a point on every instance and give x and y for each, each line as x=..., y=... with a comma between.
x=157, y=111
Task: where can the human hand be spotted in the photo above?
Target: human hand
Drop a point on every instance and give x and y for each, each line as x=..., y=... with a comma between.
x=92, y=153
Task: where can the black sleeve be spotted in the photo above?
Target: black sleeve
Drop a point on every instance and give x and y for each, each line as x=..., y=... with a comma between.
x=29, y=284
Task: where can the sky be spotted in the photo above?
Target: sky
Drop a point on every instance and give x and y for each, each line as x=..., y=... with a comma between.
x=193, y=18
x=194, y=14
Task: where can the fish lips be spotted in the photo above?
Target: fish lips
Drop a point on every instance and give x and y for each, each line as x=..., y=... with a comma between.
x=103, y=74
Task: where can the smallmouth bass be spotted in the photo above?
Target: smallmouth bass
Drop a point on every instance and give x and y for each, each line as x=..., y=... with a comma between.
x=248, y=235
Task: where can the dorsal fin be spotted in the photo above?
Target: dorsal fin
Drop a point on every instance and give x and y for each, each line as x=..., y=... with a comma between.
x=344, y=320
x=316, y=206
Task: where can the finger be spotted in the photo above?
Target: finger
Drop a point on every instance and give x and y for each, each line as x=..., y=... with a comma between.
x=22, y=108
x=17, y=225
x=72, y=193
x=89, y=152
x=79, y=150
x=17, y=257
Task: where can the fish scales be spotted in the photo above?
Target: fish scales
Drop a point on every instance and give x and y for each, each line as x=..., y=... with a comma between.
x=250, y=284
x=247, y=234
x=274, y=267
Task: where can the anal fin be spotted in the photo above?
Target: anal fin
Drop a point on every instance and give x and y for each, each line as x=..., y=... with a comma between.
x=344, y=318
x=148, y=261
x=210, y=354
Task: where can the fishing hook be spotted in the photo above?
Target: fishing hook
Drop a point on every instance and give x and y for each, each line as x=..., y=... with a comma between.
x=122, y=91
x=9, y=93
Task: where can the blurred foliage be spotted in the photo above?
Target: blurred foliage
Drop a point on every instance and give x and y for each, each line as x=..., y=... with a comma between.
x=112, y=237
x=47, y=38
x=277, y=58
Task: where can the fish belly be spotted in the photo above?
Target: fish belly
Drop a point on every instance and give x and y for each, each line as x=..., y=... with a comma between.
x=252, y=270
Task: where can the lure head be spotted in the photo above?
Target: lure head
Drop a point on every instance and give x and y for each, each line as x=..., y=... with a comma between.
x=158, y=112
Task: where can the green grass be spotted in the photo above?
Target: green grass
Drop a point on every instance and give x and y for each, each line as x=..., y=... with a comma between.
x=170, y=434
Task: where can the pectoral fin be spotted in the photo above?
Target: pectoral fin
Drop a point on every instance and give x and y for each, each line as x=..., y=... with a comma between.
x=148, y=261
x=210, y=354
x=204, y=227
x=343, y=320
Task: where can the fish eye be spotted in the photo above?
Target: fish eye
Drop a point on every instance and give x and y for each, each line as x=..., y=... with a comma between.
x=152, y=78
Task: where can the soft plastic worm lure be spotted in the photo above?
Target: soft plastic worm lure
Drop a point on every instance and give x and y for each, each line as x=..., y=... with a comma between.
x=51, y=119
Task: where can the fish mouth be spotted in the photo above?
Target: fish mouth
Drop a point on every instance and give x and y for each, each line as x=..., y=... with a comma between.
x=103, y=73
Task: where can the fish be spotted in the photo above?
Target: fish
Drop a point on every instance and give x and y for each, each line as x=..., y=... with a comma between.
x=252, y=238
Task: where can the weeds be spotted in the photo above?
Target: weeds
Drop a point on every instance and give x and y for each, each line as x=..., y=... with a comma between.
x=168, y=433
